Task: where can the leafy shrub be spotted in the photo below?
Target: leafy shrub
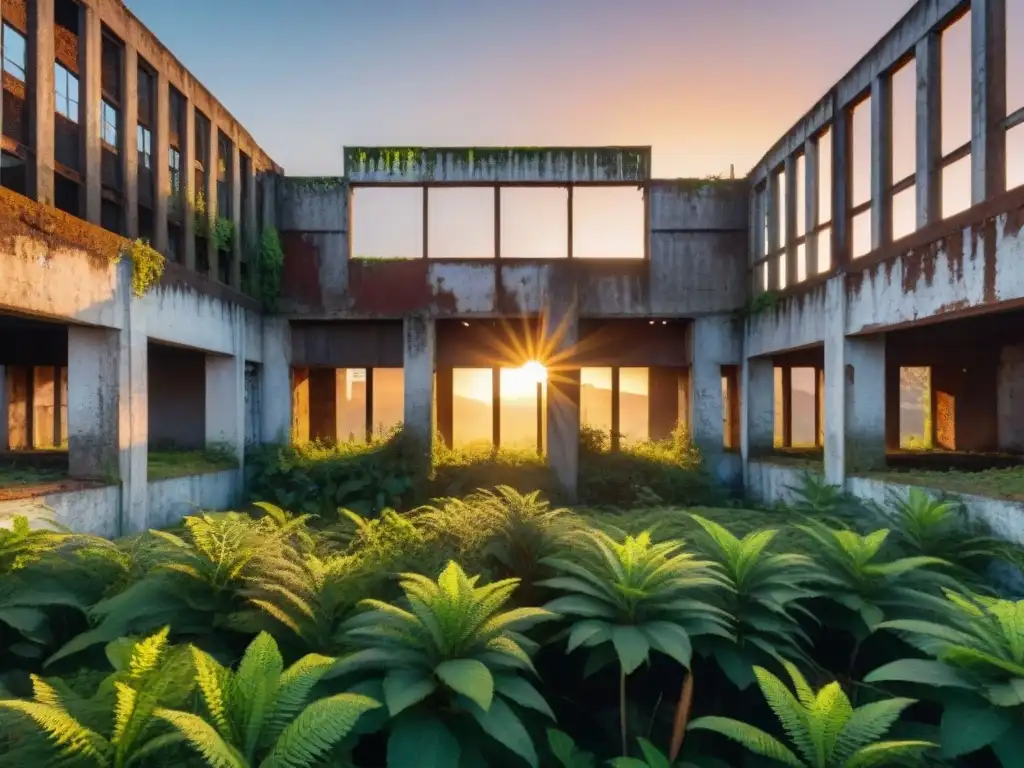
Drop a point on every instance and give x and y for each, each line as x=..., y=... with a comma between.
x=457, y=471
x=450, y=656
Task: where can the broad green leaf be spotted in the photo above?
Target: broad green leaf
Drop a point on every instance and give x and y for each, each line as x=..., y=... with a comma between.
x=501, y=724
x=966, y=728
x=653, y=757
x=627, y=762
x=587, y=632
x=631, y=646
x=921, y=671
x=581, y=605
x=566, y=752
x=423, y=742
x=469, y=677
x=670, y=639
x=522, y=693
x=405, y=687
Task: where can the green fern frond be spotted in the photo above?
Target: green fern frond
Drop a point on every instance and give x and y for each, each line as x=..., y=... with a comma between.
x=69, y=737
x=754, y=739
x=204, y=739
x=317, y=729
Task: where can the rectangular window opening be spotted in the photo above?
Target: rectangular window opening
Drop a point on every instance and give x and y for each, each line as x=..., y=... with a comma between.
x=350, y=405
x=860, y=228
x=608, y=222
x=15, y=52
x=634, y=405
x=956, y=84
x=596, y=400
x=66, y=92
x=460, y=223
x=731, y=407
x=904, y=212
x=109, y=124
x=534, y=223
x=472, y=408
x=801, y=195
x=802, y=407
x=956, y=187
x=915, y=408
x=778, y=432
x=388, y=400
x=521, y=398
x=904, y=121
x=860, y=145
x=1015, y=155
x=145, y=147
x=387, y=223
x=825, y=176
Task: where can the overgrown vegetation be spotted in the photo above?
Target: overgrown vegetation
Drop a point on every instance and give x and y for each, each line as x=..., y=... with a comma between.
x=147, y=266
x=496, y=628
x=269, y=268
x=166, y=463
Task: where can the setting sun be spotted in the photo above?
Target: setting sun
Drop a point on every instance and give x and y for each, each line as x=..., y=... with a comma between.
x=521, y=382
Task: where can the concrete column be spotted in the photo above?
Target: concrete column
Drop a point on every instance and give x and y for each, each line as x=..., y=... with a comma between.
x=712, y=346
x=251, y=234
x=91, y=80
x=133, y=408
x=881, y=161
x=161, y=166
x=188, y=182
x=892, y=405
x=94, y=403
x=812, y=213
x=225, y=403
x=988, y=97
x=18, y=417
x=1010, y=398
x=235, y=182
x=792, y=270
x=855, y=403
x=420, y=343
x=4, y=411
x=772, y=200
x=445, y=403
x=130, y=141
x=928, y=173
x=300, y=405
x=842, y=187
x=561, y=335
x=276, y=385
x=41, y=57
x=323, y=407
x=212, y=172
x=757, y=408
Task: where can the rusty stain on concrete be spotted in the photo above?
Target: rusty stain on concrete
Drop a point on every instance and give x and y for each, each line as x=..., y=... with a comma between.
x=389, y=288
x=989, y=265
x=300, y=277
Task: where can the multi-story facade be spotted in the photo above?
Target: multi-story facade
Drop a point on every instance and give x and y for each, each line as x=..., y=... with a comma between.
x=736, y=290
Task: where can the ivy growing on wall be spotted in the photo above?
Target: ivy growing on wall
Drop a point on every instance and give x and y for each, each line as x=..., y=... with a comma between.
x=147, y=266
x=269, y=266
x=223, y=233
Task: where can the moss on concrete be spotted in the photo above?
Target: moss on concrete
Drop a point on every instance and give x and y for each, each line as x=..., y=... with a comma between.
x=1005, y=483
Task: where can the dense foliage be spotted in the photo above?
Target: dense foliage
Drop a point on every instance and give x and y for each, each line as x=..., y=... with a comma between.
x=497, y=629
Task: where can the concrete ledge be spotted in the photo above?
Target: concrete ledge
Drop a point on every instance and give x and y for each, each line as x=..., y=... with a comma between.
x=797, y=320
x=94, y=510
x=171, y=500
x=771, y=483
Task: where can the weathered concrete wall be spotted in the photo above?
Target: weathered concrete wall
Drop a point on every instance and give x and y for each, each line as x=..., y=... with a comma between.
x=183, y=315
x=796, y=321
x=177, y=397
x=171, y=500
x=959, y=266
x=770, y=483
x=497, y=164
x=94, y=510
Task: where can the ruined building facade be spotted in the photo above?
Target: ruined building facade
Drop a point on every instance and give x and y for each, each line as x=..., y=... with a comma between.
x=738, y=288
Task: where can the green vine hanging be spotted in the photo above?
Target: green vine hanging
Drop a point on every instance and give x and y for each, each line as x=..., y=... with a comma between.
x=270, y=265
x=223, y=233
x=147, y=266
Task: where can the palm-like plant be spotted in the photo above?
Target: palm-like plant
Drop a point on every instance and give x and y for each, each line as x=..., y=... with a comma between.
x=764, y=595
x=117, y=726
x=978, y=655
x=261, y=713
x=451, y=654
x=868, y=585
x=195, y=582
x=625, y=600
x=823, y=728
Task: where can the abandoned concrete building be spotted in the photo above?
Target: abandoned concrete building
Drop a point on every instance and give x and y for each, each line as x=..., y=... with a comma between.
x=776, y=316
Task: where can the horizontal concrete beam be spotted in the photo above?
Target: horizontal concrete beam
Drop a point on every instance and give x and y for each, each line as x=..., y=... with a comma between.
x=497, y=165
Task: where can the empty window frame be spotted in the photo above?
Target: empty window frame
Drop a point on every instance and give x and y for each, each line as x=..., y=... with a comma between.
x=109, y=124
x=608, y=222
x=15, y=52
x=65, y=86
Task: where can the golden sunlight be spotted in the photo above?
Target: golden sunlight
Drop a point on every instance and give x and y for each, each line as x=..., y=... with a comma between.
x=520, y=383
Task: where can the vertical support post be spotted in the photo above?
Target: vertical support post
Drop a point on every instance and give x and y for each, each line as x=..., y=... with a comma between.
x=188, y=182
x=368, y=419
x=4, y=408
x=445, y=404
x=250, y=219
x=93, y=402
x=892, y=406
x=842, y=187
x=561, y=334
x=569, y=227
x=757, y=405
x=928, y=173
x=161, y=162
x=212, y=203
x=819, y=393
x=133, y=408
x=988, y=99
x=130, y=141
x=647, y=219
x=300, y=405
x=426, y=222
x=497, y=222
x=787, y=406
x=772, y=193
x=41, y=47
x=90, y=57
x=540, y=418
x=616, y=435
x=420, y=344
x=275, y=384
x=236, y=215
x=812, y=212
x=714, y=348
x=496, y=407
x=881, y=161
x=792, y=268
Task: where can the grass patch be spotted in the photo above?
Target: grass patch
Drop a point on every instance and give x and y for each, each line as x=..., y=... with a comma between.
x=15, y=475
x=1007, y=483
x=166, y=464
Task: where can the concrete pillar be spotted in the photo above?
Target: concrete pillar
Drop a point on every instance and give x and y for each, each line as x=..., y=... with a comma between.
x=276, y=385
x=855, y=402
x=212, y=173
x=812, y=212
x=130, y=141
x=4, y=410
x=300, y=405
x=561, y=335
x=928, y=173
x=323, y=406
x=235, y=182
x=881, y=160
x=18, y=392
x=419, y=345
x=225, y=403
x=757, y=408
x=988, y=97
x=792, y=268
x=188, y=181
x=842, y=187
x=161, y=162
x=94, y=403
x=712, y=346
x=133, y=407
x=1010, y=399
x=445, y=403
x=91, y=80
x=45, y=406
x=662, y=402
x=41, y=58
